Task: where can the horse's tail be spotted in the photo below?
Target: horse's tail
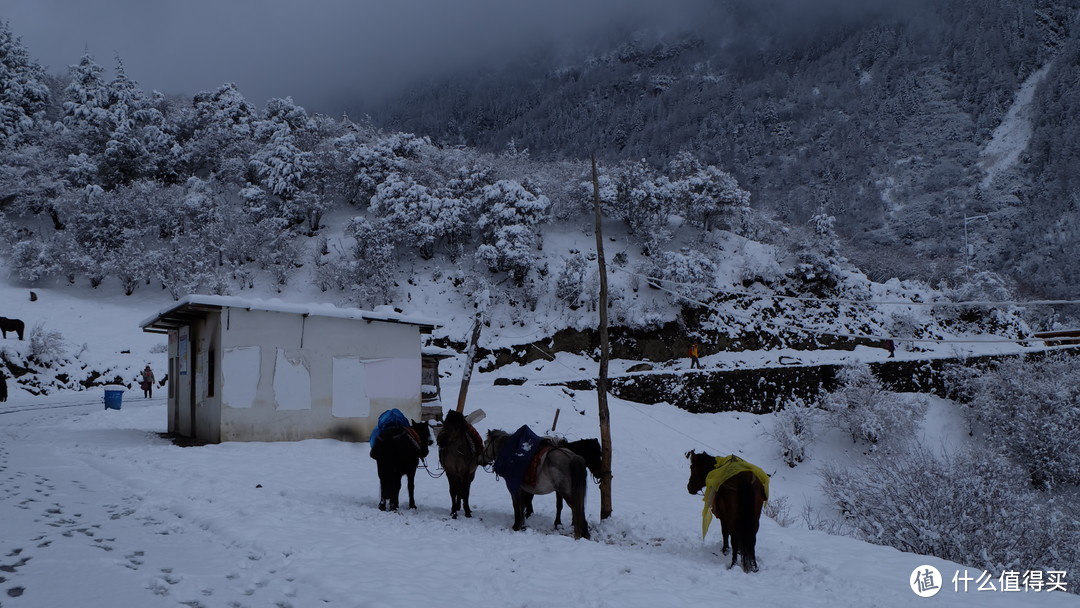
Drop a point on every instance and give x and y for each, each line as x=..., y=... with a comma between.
x=746, y=522
x=579, y=484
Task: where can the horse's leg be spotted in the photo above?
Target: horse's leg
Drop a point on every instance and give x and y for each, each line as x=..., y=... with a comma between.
x=526, y=505
x=455, y=495
x=736, y=545
x=558, y=510
x=384, y=484
x=519, y=509
x=411, y=475
x=463, y=492
x=720, y=511
x=578, y=486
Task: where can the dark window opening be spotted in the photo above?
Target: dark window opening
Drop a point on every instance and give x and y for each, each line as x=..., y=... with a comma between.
x=211, y=372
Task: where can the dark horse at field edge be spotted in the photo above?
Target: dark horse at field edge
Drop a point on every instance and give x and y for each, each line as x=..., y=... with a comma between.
x=14, y=325
x=737, y=503
x=397, y=453
x=459, y=455
x=560, y=471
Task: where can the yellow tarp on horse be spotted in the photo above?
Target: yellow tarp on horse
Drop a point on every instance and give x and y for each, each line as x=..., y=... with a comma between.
x=726, y=468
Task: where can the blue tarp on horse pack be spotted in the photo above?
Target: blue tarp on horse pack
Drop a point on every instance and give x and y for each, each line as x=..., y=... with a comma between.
x=389, y=418
x=516, y=456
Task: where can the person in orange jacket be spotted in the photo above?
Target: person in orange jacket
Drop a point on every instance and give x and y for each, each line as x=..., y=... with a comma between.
x=693, y=352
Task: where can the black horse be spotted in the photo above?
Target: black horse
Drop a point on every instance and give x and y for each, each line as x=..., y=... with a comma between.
x=459, y=454
x=589, y=450
x=560, y=471
x=14, y=325
x=398, y=452
x=737, y=503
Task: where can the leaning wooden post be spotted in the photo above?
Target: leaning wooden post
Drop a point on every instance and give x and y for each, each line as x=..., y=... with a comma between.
x=601, y=379
x=470, y=354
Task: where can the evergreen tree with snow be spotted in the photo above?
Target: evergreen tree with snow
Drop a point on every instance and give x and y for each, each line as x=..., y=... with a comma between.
x=508, y=218
x=86, y=103
x=24, y=95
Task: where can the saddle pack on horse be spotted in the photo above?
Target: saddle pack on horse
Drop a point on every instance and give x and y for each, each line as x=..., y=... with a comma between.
x=726, y=468
x=520, y=457
x=391, y=423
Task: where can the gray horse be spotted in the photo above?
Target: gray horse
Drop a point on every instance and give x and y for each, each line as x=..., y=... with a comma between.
x=561, y=471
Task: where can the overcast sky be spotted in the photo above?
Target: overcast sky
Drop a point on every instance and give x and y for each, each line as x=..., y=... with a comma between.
x=312, y=50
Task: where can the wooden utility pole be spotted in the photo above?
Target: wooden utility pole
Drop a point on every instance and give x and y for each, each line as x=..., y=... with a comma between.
x=470, y=354
x=601, y=379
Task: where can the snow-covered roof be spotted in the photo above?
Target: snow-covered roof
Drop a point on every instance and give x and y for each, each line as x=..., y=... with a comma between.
x=197, y=305
x=439, y=353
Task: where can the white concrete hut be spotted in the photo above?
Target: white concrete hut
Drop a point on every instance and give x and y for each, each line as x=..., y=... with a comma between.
x=254, y=370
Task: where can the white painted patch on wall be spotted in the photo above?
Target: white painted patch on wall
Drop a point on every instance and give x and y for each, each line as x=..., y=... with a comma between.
x=292, y=382
x=240, y=376
x=392, y=378
x=358, y=381
x=350, y=399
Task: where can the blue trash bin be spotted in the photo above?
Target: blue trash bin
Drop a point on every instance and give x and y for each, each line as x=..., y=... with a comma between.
x=114, y=394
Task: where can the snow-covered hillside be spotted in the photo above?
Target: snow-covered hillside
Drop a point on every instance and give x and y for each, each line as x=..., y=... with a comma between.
x=99, y=510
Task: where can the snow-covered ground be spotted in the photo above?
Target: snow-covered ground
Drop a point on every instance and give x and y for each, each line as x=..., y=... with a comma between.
x=97, y=510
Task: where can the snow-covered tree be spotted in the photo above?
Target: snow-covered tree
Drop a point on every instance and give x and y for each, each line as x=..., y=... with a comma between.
x=688, y=276
x=508, y=216
x=219, y=134
x=86, y=104
x=423, y=215
x=24, y=95
x=374, y=278
x=704, y=191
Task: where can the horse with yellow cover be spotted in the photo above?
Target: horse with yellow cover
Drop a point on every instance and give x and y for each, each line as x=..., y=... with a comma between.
x=735, y=491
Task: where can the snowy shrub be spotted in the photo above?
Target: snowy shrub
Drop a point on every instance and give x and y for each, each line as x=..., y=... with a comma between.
x=868, y=412
x=687, y=276
x=1031, y=409
x=793, y=430
x=373, y=282
x=969, y=508
x=46, y=345
x=778, y=509
x=31, y=260
x=571, y=280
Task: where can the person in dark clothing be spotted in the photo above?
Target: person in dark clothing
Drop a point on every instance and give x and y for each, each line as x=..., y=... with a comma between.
x=891, y=347
x=3, y=387
x=147, y=381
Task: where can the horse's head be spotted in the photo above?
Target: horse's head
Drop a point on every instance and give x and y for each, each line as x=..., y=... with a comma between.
x=590, y=450
x=700, y=465
x=492, y=444
x=454, y=419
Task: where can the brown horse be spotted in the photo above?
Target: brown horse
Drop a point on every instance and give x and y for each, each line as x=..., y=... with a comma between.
x=737, y=504
x=459, y=455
